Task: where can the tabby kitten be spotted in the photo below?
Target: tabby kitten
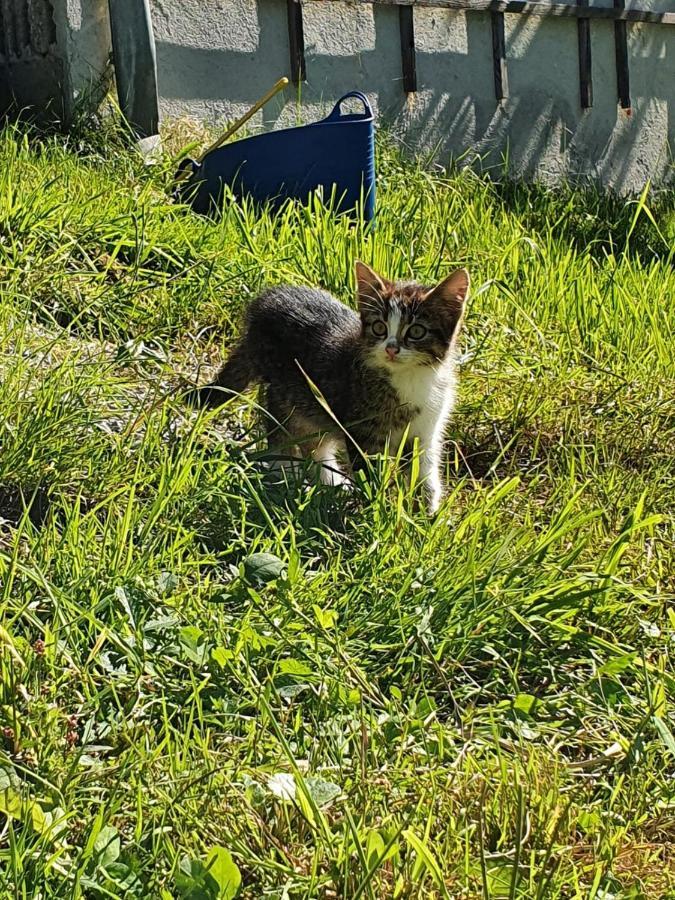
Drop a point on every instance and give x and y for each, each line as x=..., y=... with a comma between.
x=388, y=368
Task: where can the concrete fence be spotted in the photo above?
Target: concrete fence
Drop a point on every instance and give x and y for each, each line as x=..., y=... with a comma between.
x=574, y=102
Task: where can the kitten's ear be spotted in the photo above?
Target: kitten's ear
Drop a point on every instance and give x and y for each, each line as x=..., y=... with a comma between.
x=453, y=290
x=368, y=283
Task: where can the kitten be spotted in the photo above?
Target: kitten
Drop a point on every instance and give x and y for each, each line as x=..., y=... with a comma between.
x=389, y=368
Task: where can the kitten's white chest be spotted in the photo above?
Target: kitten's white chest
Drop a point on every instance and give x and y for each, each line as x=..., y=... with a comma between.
x=430, y=392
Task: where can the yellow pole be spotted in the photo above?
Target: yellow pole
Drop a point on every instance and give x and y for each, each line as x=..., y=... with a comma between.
x=280, y=85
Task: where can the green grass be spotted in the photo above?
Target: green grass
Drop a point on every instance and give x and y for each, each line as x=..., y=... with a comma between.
x=476, y=706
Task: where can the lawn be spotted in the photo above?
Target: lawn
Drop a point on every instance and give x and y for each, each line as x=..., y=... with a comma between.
x=383, y=705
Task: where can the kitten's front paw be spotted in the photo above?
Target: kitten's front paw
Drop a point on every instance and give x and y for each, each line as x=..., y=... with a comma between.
x=434, y=501
x=334, y=477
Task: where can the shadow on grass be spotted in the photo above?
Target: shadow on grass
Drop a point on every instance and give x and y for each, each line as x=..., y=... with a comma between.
x=273, y=501
x=593, y=221
x=17, y=501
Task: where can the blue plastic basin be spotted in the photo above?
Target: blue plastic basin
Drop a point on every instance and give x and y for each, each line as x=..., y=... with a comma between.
x=336, y=154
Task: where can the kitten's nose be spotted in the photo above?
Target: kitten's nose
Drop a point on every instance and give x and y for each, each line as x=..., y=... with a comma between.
x=392, y=348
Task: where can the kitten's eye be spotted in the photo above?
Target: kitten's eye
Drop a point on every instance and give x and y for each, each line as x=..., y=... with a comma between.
x=416, y=332
x=379, y=328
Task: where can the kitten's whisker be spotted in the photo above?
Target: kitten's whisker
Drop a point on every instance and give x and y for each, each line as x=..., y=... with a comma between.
x=372, y=307
x=374, y=297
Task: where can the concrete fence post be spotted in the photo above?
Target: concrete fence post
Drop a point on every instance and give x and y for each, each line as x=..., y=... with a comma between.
x=135, y=65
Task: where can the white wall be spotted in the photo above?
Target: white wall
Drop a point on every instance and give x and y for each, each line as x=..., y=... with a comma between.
x=216, y=57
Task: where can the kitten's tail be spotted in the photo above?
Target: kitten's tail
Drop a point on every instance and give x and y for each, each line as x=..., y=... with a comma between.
x=233, y=378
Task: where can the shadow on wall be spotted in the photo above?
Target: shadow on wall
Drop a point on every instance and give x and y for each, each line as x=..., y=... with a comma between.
x=31, y=74
x=539, y=132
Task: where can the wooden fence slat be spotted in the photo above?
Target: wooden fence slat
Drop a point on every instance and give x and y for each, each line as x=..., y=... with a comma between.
x=408, y=62
x=296, y=41
x=499, y=57
x=530, y=8
x=585, y=69
x=621, y=47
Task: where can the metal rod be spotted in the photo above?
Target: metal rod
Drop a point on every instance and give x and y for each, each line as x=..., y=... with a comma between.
x=621, y=49
x=296, y=41
x=499, y=57
x=408, y=63
x=585, y=68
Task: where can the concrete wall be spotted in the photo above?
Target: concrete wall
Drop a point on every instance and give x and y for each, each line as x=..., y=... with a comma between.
x=53, y=54
x=31, y=71
x=83, y=39
x=215, y=58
